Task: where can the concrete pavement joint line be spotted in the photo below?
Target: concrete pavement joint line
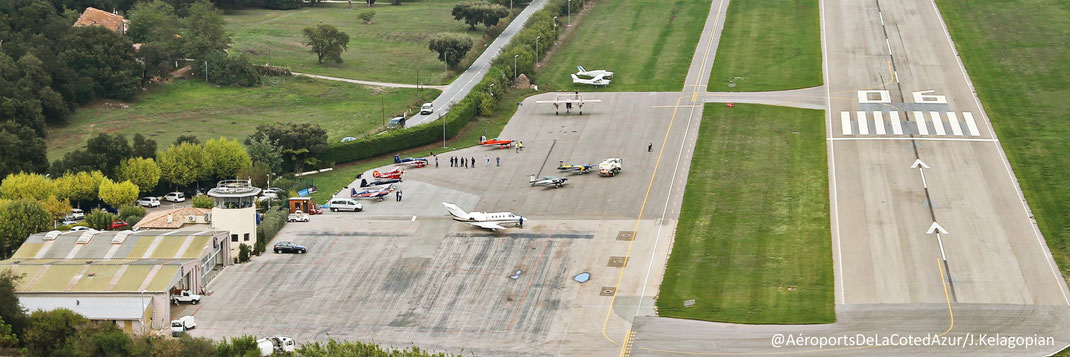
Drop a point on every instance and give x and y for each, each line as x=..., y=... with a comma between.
x=535, y=270
x=628, y=253
x=545, y=159
x=1006, y=163
x=832, y=156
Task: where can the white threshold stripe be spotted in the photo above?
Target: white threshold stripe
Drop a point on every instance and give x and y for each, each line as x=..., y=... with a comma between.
x=938, y=124
x=845, y=122
x=971, y=125
x=953, y=120
x=878, y=122
x=919, y=118
x=897, y=127
x=908, y=138
x=863, y=126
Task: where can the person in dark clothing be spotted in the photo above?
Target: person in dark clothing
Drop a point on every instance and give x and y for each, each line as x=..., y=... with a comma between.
x=521, y=222
x=451, y=161
x=650, y=147
x=399, y=195
x=436, y=162
x=473, y=162
x=497, y=161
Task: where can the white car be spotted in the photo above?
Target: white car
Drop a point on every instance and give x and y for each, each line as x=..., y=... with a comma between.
x=427, y=108
x=175, y=197
x=148, y=202
x=345, y=204
x=76, y=214
x=348, y=139
x=81, y=228
x=67, y=222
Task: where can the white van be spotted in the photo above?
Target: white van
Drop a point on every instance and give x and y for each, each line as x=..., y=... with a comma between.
x=345, y=204
x=427, y=108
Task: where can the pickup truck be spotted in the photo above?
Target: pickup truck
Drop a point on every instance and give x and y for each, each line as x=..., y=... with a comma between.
x=297, y=216
x=186, y=296
x=181, y=325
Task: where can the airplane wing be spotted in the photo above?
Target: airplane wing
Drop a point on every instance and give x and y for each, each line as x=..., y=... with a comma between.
x=486, y=225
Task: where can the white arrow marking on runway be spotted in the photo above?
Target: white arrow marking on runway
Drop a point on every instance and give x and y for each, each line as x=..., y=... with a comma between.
x=921, y=166
x=936, y=228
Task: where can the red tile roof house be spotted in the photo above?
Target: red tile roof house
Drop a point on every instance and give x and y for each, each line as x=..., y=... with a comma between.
x=97, y=17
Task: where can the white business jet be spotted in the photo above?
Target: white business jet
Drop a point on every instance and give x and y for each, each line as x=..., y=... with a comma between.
x=492, y=220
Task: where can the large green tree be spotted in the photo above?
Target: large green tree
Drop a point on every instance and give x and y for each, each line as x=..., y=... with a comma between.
x=326, y=41
x=184, y=164
x=10, y=311
x=79, y=186
x=142, y=172
x=143, y=147
x=153, y=22
x=204, y=30
x=49, y=331
x=20, y=219
x=228, y=157
x=264, y=150
x=298, y=141
x=118, y=194
x=103, y=152
x=22, y=149
x=451, y=48
x=474, y=13
x=29, y=186
x=103, y=62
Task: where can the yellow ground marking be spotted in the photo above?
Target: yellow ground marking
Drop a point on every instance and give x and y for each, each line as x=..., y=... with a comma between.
x=943, y=280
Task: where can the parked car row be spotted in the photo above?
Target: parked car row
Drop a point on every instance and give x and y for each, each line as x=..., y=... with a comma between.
x=155, y=202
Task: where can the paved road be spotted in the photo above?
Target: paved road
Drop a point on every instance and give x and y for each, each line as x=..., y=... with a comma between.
x=370, y=83
x=460, y=87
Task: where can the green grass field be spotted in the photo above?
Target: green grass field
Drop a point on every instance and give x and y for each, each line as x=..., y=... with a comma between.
x=753, y=243
x=768, y=45
x=1016, y=53
x=332, y=181
x=647, y=44
x=391, y=49
x=192, y=107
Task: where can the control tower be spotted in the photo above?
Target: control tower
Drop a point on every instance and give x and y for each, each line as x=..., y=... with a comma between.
x=235, y=211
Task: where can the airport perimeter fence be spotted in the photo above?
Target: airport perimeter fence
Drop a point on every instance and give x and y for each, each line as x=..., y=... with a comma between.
x=540, y=26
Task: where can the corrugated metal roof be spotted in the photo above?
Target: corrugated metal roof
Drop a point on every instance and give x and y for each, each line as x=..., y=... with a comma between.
x=92, y=307
x=139, y=245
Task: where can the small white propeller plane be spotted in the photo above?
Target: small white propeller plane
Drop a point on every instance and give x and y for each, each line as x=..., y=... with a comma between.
x=598, y=78
x=487, y=220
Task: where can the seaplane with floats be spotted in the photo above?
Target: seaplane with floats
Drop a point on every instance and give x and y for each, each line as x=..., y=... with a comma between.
x=486, y=220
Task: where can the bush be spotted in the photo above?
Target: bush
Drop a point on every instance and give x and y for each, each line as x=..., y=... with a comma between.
x=238, y=346
x=203, y=201
x=228, y=70
x=367, y=16
x=282, y=4
x=126, y=211
x=243, y=253
x=272, y=223
x=99, y=219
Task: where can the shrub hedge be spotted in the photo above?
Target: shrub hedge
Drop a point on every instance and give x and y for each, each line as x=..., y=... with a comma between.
x=541, y=24
x=272, y=223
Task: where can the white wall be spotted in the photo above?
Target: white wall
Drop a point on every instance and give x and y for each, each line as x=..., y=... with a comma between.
x=237, y=221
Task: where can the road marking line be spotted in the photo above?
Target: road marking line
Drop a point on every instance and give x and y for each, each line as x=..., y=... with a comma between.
x=845, y=122
x=920, y=119
x=943, y=280
x=832, y=155
x=863, y=125
x=953, y=120
x=897, y=128
x=938, y=125
x=971, y=125
x=878, y=122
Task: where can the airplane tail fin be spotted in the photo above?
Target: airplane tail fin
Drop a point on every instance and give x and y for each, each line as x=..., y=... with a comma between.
x=455, y=211
x=575, y=79
x=397, y=159
x=581, y=69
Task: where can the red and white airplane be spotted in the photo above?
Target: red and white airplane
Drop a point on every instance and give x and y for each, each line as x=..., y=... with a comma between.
x=392, y=174
x=501, y=143
x=373, y=192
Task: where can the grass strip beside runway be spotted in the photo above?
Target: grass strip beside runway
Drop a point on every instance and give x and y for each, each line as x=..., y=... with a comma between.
x=1016, y=54
x=753, y=243
x=768, y=45
x=647, y=44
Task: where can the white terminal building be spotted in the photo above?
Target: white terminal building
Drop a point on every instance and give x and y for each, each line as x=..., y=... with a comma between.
x=235, y=212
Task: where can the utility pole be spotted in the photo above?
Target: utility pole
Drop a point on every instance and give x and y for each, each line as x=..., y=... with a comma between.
x=514, y=66
x=555, y=27
x=443, y=129
x=382, y=103
x=537, y=49
x=570, y=12
x=206, y=71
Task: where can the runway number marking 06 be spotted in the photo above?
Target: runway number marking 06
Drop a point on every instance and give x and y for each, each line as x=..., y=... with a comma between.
x=922, y=123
